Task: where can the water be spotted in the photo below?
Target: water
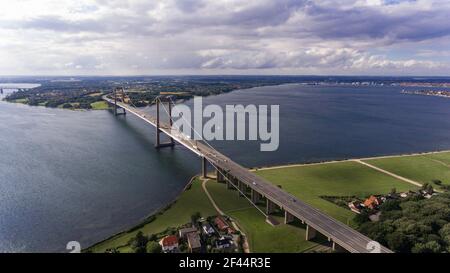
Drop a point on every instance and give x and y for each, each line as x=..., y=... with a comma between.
x=84, y=175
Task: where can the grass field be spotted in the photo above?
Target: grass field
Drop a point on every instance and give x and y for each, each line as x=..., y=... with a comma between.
x=308, y=183
x=421, y=168
x=21, y=101
x=191, y=201
x=100, y=105
x=261, y=236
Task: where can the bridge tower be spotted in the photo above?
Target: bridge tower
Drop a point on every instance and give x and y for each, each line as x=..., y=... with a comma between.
x=119, y=93
x=161, y=101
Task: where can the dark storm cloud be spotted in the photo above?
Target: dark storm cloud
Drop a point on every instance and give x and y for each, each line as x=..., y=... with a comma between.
x=375, y=23
x=322, y=21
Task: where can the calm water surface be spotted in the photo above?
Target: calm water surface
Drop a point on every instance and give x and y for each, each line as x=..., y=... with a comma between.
x=84, y=175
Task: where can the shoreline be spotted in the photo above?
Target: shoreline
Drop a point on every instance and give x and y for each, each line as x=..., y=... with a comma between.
x=291, y=165
x=189, y=184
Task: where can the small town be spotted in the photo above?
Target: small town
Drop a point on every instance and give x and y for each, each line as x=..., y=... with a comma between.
x=210, y=235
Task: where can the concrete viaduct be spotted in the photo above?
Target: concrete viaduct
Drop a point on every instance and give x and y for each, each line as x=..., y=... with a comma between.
x=342, y=236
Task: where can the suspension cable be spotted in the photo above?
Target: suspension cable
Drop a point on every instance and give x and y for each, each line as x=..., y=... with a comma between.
x=211, y=162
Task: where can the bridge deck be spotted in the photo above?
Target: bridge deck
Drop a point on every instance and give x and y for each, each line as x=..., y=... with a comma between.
x=341, y=234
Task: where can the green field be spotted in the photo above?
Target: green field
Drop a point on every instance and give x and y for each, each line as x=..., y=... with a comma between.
x=25, y=101
x=421, y=168
x=191, y=201
x=261, y=236
x=100, y=105
x=348, y=178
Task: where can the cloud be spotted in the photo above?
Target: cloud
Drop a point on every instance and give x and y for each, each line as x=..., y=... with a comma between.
x=193, y=36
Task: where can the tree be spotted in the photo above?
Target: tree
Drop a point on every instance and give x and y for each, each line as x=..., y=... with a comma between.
x=153, y=247
x=437, y=182
x=390, y=205
x=398, y=242
x=393, y=191
x=428, y=247
x=195, y=217
x=138, y=243
x=362, y=218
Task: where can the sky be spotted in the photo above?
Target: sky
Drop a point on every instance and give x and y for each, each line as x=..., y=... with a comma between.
x=258, y=37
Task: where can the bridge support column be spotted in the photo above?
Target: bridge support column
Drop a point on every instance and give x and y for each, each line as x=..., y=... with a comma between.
x=255, y=196
x=158, y=143
x=288, y=218
x=337, y=248
x=158, y=131
x=219, y=176
x=270, y=206
x=310, y=233
x=241, y=187
x=204, y=167
x=116, y=113
x=229, y=185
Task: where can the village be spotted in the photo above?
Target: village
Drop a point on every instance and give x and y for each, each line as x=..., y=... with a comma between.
x=210, y=235
x=372, y=204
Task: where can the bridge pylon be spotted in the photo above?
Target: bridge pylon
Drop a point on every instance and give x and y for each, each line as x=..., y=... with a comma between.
x=119, y=93
x=171, y=141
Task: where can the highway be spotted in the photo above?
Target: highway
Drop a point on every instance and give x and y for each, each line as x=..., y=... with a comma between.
x=341, y=234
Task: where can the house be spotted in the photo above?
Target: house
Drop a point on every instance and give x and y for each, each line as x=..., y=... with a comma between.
x=184, y=231
x=193, y=240
x=406, y=194
x=355, y=206
x=221, y=224
x=169, y=243
x=223, y=243
x=231, y=230
x=208, y=229
x=372, y=202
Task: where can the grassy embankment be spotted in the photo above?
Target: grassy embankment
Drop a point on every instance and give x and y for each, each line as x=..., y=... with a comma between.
x=100, y=105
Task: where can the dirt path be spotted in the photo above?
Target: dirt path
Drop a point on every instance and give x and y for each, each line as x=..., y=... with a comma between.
x=438, y=161
x=245, y=245
x=389, y=173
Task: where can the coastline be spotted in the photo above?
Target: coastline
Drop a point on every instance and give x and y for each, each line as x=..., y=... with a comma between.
x=289, y=165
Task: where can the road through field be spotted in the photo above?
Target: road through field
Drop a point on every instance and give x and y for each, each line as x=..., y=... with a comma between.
x=388, y=173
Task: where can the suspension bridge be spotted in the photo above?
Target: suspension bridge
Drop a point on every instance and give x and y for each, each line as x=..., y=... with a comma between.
x=256, y=189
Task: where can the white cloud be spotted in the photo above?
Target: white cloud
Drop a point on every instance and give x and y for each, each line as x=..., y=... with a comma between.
x=223, y=36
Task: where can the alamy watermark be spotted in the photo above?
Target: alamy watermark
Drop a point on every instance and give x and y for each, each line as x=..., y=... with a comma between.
x=237, y=122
